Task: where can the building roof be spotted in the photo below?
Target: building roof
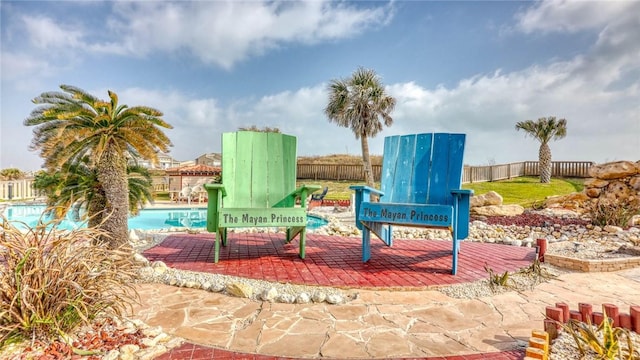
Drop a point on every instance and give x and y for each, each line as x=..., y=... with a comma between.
x=196, y=170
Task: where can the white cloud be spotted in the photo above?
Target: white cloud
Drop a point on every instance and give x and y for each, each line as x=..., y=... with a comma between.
x=597, y=92
x=574, y=16
x=224, y=33
x=44, y=33
x=19, y=65
x=215, y=32
x=603, y=120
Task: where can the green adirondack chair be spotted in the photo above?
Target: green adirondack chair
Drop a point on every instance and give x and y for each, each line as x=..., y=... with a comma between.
x=258, y=187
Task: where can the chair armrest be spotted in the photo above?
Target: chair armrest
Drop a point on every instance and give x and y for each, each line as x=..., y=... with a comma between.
x=215, y=193
x=366, y=189
x=309, y=190
x=362, y=192
x=461, y=207
x=301, y=192
x=212, y=188
x=463, y=192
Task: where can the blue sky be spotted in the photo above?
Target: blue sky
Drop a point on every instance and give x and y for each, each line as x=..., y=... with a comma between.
x=214, y=66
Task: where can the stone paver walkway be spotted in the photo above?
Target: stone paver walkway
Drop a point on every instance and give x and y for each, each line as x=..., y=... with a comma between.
x=396, y=315
x=378, y=324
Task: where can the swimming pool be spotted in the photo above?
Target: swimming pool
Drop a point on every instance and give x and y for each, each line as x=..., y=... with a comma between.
x=148, y=219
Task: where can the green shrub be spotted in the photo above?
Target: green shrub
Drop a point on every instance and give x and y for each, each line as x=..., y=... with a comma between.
x=52, y=281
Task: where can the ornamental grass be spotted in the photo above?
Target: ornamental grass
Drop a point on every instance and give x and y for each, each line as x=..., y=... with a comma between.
x=52, y=281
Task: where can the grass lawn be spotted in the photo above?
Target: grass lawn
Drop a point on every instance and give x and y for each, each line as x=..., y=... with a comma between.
x=338, y=190
x=525, y=191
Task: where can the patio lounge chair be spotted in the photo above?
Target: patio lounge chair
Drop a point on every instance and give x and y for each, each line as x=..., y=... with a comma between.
x=320, y=197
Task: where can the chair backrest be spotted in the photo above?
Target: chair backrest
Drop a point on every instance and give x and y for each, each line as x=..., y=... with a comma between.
x=422, y=168
x=258, y=168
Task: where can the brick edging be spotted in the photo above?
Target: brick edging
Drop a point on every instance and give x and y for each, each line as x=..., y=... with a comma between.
x=540, y=342
x=561, y=313
x=588, y=265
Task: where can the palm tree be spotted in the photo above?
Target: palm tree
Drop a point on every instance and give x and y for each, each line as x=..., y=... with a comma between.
x=362, y=104
x=76, y=186
x=74, y=124
x=11, y=174
x=544, y=130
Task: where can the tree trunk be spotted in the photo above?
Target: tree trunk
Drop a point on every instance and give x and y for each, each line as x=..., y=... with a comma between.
x=366, y=161
x=544, y=160
x=95, y=208
x=112, y=174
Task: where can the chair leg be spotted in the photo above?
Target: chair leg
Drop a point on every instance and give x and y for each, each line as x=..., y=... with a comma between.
x=366, y=244
x=216, y=247
x=456, y=251
x=454, y=265
x=389, y=236
x=223, y=236
x=303, y=243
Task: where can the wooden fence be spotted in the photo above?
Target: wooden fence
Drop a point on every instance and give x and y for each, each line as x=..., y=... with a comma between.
x=471, y=173
x=23, y=189
x=578, y=169
x=335, y=172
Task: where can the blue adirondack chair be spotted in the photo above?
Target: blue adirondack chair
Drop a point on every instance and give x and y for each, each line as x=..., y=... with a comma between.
x=420, y=186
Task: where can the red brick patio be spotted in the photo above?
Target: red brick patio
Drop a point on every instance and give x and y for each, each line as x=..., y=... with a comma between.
x=336, y=261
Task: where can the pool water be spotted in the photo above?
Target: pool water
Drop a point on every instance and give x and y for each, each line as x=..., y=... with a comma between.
x=148, y=219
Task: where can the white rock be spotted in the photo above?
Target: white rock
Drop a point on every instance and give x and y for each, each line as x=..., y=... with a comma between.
x=318, y=296
x=111, y=355
x=152, y=331
x=612, y=229
x=217, y=286
x=269, y=294
x=303, y=298
x=239, y=290
x=129, y=328
x=127, y=352
x=286, y=298
x=140, y=259
x=162, y=338
x=174, y=342
x=334, y=299
x=133, y=236
x=151, y=353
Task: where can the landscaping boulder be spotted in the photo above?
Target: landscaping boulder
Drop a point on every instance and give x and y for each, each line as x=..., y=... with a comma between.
x=573, y=201
x=611, y=183
x=614, y=170
x=239, y=290
x=490, y=198
x=498, y=210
